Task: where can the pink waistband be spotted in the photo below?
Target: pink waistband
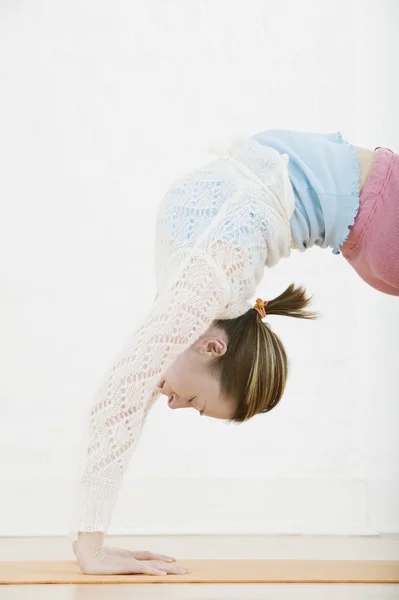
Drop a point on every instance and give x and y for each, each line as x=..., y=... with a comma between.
x=383, y=147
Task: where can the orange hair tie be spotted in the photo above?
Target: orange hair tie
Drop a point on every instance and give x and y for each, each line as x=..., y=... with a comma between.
x=260, y=307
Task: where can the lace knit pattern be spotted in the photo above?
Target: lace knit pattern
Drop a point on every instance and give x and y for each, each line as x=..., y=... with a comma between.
x=216, y=229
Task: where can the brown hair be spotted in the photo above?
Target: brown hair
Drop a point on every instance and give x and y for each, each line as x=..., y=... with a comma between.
x=253, y=371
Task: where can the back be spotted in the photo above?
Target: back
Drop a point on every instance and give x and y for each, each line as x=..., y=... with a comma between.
x=324, y=174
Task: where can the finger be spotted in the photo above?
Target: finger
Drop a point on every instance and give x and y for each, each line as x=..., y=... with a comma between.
x=140, y=555
x=162, y=557
x=171, y=569
x=143, y=567
x=155, y=572
x=118, y=565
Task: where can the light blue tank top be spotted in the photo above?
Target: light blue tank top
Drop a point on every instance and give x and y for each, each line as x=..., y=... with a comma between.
x=324, y=173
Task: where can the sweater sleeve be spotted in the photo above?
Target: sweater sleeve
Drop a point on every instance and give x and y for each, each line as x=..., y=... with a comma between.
x=181, y=312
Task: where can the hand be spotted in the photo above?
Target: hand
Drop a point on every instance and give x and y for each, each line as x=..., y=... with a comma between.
x=96, y=559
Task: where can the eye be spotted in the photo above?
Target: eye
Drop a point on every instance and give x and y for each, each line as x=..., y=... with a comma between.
x=191, y=399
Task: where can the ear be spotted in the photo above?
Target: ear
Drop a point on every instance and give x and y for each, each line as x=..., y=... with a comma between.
x=213, y=347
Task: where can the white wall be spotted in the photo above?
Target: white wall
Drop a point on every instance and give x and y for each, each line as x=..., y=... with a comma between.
x=102, y=105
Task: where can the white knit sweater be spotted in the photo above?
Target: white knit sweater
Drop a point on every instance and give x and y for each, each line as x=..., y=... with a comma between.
x=217, y=228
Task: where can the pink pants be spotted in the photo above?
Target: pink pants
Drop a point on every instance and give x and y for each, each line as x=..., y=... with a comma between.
x=372, y=247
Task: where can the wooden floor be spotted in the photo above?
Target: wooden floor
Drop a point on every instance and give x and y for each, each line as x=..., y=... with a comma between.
x=228, y=547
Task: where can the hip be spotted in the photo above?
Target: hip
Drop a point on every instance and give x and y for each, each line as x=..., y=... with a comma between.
x=372, y=247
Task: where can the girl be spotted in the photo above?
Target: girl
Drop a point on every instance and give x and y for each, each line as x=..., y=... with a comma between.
x=202, y=343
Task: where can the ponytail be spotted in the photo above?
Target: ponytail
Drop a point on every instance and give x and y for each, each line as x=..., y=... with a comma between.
x=291, y=303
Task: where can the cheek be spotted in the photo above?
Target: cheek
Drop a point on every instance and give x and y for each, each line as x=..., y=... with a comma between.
x=178, y=376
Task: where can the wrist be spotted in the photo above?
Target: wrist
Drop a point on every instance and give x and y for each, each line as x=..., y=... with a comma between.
x=89, y=540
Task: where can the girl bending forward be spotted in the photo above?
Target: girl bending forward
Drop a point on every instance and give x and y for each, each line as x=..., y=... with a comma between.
x=202, y=343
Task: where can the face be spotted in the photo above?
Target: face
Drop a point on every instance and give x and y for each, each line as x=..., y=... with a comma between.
x=188, y=383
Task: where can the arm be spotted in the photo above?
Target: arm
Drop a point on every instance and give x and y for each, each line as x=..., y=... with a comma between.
x=179, y=315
